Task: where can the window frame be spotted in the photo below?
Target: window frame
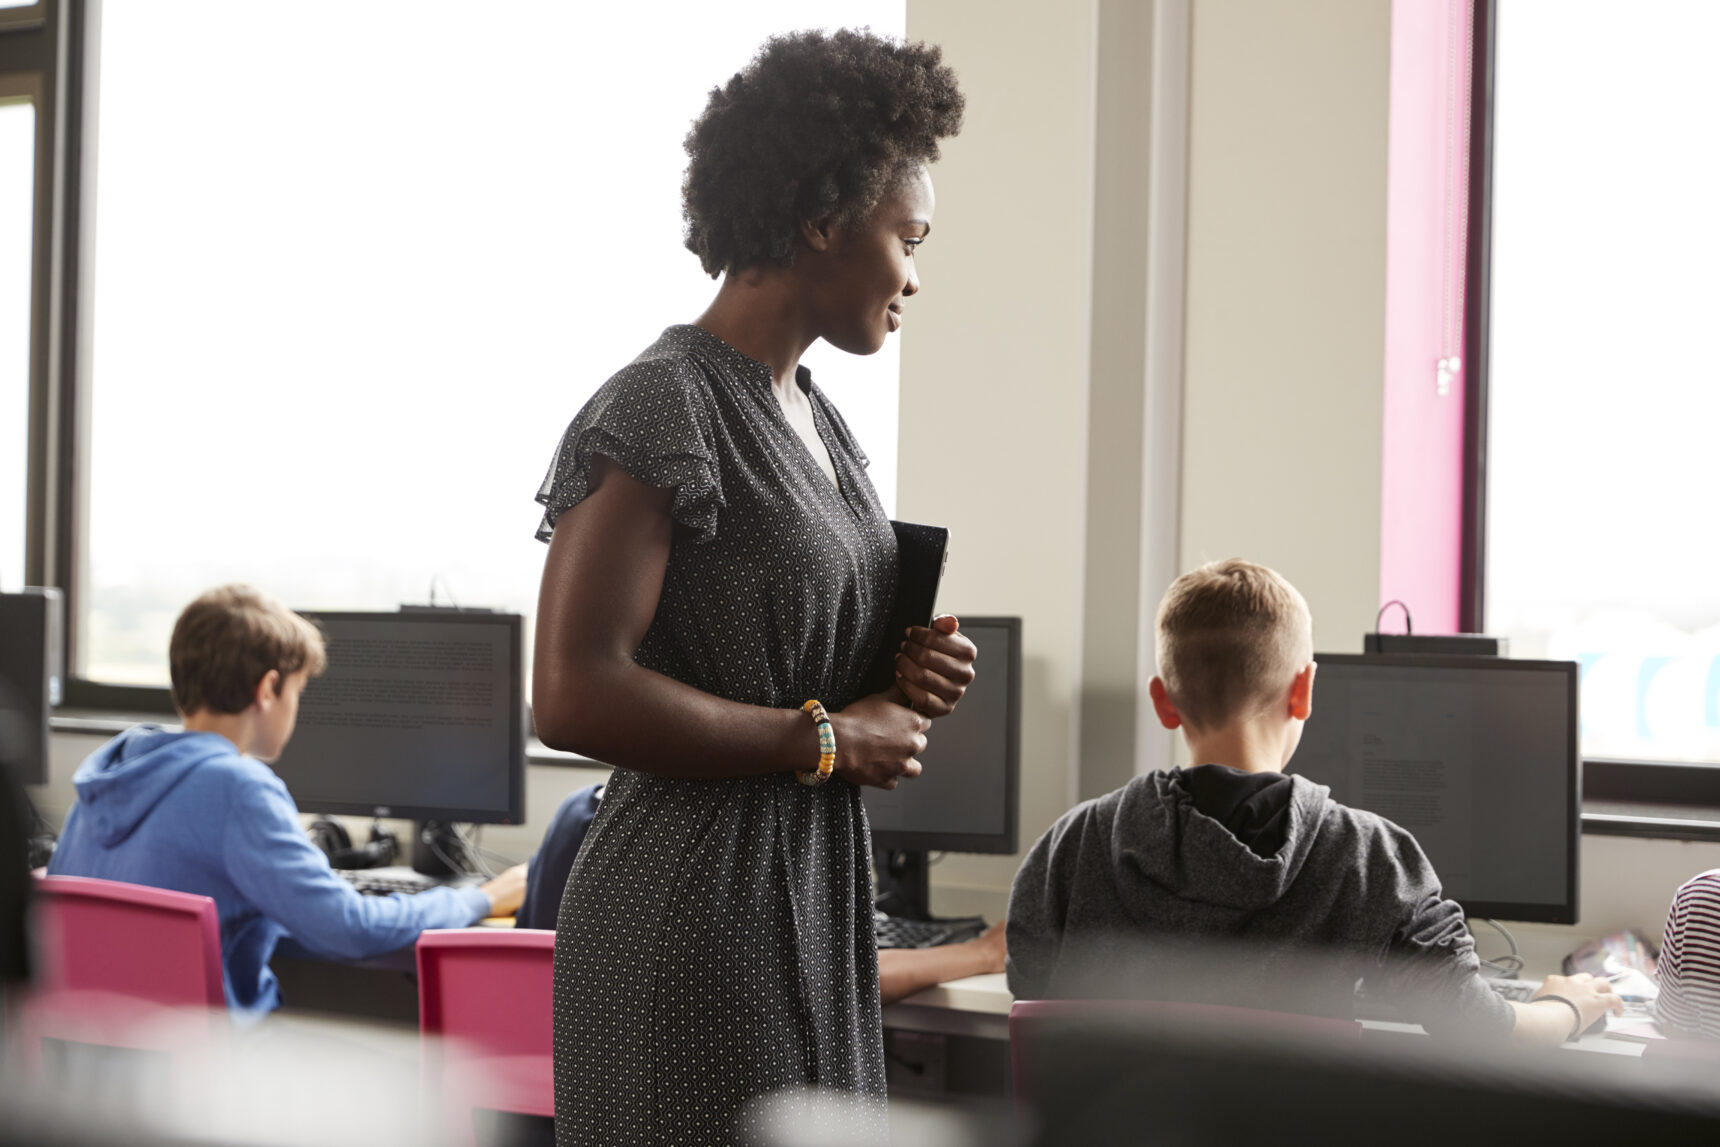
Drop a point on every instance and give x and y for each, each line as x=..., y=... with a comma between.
x=1663, y=799
x=62, y=36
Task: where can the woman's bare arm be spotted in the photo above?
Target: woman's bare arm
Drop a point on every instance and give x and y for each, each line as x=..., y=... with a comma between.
x=601, y=583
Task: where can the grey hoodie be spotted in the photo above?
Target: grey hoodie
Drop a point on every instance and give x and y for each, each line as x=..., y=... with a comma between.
x=1140, y=894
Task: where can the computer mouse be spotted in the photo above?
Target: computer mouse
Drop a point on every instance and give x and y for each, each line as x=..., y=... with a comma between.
x=1596, y=1028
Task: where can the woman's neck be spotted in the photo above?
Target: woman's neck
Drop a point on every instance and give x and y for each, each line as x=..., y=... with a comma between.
x=760, y=314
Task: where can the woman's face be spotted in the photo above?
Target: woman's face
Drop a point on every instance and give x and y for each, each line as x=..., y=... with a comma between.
x=866, y=273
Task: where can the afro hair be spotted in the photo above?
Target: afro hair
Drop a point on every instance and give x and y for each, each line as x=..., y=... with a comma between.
x=817, y=126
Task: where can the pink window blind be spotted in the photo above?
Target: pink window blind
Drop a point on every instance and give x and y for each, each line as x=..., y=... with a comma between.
x=1427, y=223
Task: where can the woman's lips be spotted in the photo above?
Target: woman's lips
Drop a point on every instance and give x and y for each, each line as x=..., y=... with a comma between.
x=895, y=320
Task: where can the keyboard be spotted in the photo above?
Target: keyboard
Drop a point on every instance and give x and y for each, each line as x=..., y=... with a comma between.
x=383, y=881
x=897, y=932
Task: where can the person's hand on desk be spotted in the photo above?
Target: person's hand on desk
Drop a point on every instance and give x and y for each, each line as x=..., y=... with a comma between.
x=1547, y=1017
x=507, y=891
x=904, y=971
x=935, y=666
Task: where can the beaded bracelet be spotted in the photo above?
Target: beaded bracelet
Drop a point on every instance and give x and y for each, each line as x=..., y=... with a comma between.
x=826, y=746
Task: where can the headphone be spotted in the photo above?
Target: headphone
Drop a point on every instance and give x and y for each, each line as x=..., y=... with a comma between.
x=331, y=837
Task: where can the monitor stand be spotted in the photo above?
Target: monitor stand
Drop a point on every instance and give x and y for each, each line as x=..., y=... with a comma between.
x=904, y=883
x=431, y=837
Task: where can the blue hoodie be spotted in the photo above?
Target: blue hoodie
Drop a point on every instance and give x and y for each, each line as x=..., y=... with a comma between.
x=185, y=811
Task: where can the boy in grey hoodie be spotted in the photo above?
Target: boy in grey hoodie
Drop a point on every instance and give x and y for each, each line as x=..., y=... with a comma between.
x=1232, y=883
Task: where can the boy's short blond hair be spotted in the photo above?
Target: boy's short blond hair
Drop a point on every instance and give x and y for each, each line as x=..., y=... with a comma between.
x=1231, y=637
x=228, y=639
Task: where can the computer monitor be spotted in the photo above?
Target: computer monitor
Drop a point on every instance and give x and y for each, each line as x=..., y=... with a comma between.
x=29, y=679
x=967, y=796
x=1476, y=757
x=420, y=714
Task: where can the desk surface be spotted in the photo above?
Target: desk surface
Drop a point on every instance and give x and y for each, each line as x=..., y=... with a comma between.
x=979, y=1007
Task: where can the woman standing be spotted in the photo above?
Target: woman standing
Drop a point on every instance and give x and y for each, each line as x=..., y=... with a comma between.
x=719, y=559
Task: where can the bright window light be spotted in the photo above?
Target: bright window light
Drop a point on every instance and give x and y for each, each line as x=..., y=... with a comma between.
x=1605, y=394
x=354, y=278
x=17, y=201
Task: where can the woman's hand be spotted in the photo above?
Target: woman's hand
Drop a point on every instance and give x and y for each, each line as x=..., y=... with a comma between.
x=935, y=666
x=877, y=741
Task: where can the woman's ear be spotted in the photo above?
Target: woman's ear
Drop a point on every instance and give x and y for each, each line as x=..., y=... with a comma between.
x=815, y=233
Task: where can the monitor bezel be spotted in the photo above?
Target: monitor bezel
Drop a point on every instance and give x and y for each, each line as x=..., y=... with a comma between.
x=1004, y=843
x=1542, y=913
x=514, y=814
x=27, y=753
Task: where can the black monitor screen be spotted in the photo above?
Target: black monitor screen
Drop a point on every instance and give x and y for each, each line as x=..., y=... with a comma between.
x=965, y=799
x=1475, y=757
x=419, y=714
x=29, y=680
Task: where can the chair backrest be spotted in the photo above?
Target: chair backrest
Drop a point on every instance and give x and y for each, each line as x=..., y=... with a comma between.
x=1025, y=1016
x=489, y=988
x=129, y=940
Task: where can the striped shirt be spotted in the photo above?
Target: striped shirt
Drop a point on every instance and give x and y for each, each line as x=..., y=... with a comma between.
x=1690, y=959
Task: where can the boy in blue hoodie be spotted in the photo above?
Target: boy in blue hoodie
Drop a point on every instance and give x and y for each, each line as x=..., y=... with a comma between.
x=200, y=810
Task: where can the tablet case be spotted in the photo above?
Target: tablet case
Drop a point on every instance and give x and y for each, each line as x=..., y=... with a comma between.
x=921, y=552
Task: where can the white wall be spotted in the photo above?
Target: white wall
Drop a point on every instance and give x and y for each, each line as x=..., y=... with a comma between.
x=995, y=365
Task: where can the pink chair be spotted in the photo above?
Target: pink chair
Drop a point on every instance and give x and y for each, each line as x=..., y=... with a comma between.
x=1028, y=1017
x=122, y=966
x=149, y=944
x=486, y=992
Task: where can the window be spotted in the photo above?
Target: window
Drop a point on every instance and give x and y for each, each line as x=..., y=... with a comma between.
x=1603, y=398
x=17, y=224
x=353, y=278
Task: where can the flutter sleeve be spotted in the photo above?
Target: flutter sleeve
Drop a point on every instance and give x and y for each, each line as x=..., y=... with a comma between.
x=654, y=420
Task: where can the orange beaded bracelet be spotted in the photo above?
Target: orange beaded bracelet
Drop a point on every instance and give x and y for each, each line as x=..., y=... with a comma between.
x=826, y=746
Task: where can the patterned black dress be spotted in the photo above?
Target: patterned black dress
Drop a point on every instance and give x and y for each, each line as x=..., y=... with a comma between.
x=715, y=939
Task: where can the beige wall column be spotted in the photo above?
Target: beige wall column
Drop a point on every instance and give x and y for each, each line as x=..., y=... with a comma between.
x=995, y=367
x=1135, y=430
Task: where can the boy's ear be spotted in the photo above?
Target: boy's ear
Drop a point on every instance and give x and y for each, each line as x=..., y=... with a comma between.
x=1162, y=704
x=1302, y=693
x=268, y=689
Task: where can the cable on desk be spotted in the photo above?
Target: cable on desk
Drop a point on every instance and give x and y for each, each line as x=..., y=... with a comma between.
x=1510, y=964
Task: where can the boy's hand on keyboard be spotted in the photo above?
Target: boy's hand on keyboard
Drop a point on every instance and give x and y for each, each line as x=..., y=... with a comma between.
x=507, y=891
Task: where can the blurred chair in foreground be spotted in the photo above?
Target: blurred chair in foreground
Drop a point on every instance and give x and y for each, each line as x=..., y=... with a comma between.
x=1118, y=1080
x=484, y=1010
x=1028, y=1019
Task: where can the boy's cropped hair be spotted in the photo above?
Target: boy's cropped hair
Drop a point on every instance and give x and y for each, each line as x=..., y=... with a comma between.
x=1231, y=636
x=228, y=639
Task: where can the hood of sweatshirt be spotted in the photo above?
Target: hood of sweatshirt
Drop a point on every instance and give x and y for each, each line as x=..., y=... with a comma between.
x=1244, y=852
x=122, y=782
